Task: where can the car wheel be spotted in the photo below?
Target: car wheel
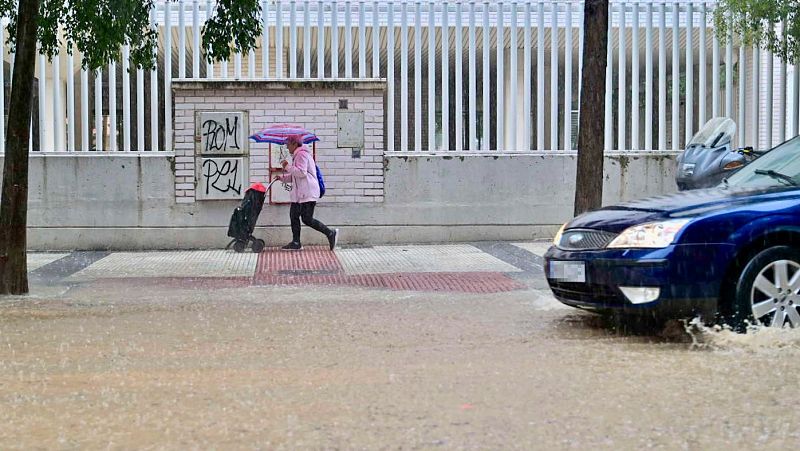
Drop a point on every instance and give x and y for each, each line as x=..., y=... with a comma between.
x=767, y=289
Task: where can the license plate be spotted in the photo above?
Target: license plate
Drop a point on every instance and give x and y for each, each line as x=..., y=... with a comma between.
x=568, y=271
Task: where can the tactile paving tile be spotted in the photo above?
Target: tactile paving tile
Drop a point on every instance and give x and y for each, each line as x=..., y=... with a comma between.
x=420, y=259
x=216, y=263
x=465, y=282
x=308, y=259
x=37, y=260
x=535, y=247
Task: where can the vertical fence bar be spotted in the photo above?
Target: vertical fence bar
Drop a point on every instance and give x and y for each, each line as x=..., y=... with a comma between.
x=58, y=112
x=676, y=86
x=608, y=134
x=265, y=38
x=782, y=99
x=635, y=76
x=42, y=96
x=526, y=78
x=431, y=78
x=348, y=40
x=622, y=89
x=715, y=87
x=196, y=39
x=85, y=144
x=729, y=77
x=98, y=111
x=112, y=106
x=472, y=81
x=404, y=77
x=648, y=83
x=689, y=112
x=756, y=103
x=418, y=76
x=458, y=40
x=181, y=39
x=701, y=117
x=251, y=64
x=501, y=44
x=321, y=40
x=292, y=39
x=513, y=44
x=278, y=39
x=335, y=41
x=554, y=76
x=209, y=63
x=795, y=99
x=445, y=76
x=742, y=93
x=224, y=68
x=567, y=78
x=139, y=109
x=167, y=78
x=70, y=100
x=154, y=89
x=306, y=40
x=362, y=41
x=2, y=91
x=390, y=78
x=662, y=78
x=126, y=99
x=376, y=42
x=237, y=65
x=540, y=96
x=486, y=75
x=768, y=97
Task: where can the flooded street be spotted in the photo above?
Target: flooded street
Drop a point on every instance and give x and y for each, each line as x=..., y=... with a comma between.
x=118, y=365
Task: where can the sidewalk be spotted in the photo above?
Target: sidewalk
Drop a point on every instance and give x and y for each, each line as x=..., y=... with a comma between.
x=485, y=267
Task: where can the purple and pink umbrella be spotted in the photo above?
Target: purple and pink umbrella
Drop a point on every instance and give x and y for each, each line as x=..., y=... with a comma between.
x=278, y=133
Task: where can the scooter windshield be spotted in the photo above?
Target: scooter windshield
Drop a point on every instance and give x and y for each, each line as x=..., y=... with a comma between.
x=717, y=132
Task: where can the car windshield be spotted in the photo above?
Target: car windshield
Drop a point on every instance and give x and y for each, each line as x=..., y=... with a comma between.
x=716, y=132
x=778, y=167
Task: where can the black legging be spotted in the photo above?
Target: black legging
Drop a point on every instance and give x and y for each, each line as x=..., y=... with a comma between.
x=305, y=212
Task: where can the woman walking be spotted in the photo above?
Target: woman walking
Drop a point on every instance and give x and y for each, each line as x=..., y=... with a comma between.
x=302, y=174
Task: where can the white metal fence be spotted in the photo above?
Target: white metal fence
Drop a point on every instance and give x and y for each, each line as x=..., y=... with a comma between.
x=461, y=76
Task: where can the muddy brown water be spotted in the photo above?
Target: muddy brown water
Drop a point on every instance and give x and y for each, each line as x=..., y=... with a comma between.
x=116, y=365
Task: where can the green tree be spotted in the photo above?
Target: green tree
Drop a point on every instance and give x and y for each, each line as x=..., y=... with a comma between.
x=98, y=29
x=591, y=130
x=773, y=25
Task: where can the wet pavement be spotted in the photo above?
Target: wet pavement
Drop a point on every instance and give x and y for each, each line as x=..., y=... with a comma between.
x=190, y=362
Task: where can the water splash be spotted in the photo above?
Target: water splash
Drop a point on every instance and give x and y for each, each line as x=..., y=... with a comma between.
x=756, y=339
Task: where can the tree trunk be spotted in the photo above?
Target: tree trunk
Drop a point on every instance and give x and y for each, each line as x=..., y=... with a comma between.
x=589, y=180
x=14, y=204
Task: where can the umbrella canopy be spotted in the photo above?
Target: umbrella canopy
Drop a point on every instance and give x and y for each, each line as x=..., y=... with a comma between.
x=278, y=133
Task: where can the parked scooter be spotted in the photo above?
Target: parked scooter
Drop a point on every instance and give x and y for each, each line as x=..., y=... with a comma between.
x=709, y=158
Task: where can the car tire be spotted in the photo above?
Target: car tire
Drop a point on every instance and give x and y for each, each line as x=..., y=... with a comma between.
x=767, y=290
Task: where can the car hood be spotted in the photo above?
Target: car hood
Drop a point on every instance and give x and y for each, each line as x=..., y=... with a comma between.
x=618, y=217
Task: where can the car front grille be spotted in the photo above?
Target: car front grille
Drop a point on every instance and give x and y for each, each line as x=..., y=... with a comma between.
x=583, y=239
x=587, y=293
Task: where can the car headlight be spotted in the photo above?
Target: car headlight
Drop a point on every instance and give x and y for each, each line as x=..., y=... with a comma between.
x=651, y=235
x=557, y=238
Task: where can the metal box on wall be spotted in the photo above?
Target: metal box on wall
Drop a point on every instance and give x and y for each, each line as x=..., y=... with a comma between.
x=350, y=129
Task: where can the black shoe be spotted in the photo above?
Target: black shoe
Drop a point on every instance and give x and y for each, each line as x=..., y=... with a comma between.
x=292, y=246
x=333, y=238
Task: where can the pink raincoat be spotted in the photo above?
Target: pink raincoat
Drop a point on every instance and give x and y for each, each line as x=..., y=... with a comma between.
x=302, y=174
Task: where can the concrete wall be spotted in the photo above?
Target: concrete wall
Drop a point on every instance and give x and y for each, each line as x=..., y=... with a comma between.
x=127, y=201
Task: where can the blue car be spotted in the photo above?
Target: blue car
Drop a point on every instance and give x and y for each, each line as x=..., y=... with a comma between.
x=730, y=252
